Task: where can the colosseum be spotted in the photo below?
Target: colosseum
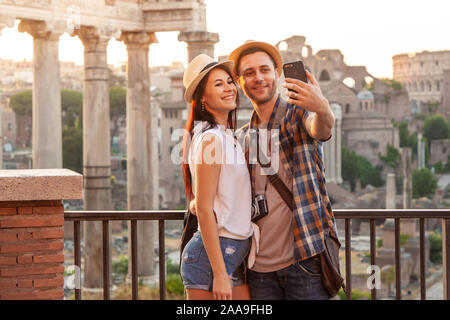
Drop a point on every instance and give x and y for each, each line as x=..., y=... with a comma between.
x=426, y=77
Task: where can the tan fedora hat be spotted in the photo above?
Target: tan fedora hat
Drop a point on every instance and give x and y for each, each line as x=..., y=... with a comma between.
x=270, y=49
x=197, y=69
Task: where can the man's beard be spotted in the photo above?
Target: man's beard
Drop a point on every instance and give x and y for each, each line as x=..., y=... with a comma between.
x=264, y=99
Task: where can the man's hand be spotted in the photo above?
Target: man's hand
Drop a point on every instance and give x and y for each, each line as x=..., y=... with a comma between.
x=192, y=207
x=307, y=95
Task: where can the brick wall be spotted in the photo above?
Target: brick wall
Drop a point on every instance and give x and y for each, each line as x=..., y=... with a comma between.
x=31, y=250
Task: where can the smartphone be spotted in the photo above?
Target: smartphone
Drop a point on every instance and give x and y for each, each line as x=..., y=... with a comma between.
x=295, y=70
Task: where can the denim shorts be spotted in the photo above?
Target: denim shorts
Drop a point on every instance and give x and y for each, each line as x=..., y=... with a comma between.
x=196, y=270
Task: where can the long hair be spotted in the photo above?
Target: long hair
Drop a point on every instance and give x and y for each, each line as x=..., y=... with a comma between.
x=197, y=113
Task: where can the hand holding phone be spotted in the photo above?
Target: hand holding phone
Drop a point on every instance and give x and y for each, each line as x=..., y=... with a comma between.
x=295, y=70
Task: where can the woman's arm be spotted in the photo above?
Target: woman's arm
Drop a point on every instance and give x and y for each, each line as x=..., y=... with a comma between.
x=207, y=171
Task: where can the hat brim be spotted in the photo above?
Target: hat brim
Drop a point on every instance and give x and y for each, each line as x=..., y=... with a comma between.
x=270, y=49
x=188, y=95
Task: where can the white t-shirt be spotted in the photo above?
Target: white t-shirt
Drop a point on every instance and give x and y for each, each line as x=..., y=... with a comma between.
x=232, y=203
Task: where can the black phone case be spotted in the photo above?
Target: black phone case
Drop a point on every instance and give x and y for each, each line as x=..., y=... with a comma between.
x=295, y=70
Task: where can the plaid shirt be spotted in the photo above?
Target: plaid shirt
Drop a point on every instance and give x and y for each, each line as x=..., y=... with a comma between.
x=301, y=155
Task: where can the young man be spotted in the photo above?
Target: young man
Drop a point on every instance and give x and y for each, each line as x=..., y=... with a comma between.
x=287, y=265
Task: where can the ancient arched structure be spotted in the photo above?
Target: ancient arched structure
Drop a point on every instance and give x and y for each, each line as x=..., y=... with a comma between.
x=324, y=75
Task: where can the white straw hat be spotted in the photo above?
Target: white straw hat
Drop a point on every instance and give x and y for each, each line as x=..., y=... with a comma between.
x=197, y=69
x=267, y=47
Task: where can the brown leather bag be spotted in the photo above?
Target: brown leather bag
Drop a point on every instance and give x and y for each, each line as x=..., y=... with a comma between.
x=329, y=265
x=190, y=225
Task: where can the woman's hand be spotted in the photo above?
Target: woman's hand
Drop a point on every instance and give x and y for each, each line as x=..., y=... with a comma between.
x=222, y=287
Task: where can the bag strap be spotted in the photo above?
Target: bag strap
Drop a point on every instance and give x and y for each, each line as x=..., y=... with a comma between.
x=283, y=191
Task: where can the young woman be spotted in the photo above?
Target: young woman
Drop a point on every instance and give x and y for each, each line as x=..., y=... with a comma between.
x=216, y=176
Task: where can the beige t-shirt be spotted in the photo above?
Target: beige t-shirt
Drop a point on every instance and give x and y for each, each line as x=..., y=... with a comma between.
x=276, y=242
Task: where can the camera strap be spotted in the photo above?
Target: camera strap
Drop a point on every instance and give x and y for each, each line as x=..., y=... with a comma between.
x=274, y=179
x=282, y=190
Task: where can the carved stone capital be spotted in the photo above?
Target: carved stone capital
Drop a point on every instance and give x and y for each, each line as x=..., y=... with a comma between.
x=91, y=36
x=203, y=37
x=39, y=29
x=138, y=39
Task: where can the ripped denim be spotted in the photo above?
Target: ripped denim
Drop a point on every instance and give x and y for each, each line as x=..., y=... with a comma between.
x=196, y=271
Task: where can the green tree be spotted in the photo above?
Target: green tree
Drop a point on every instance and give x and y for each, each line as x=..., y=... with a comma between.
x=72, y=142
x=432, y=106
x=392, y=158
x=350, y=172
x=22, y=102
x=357, y=167
x=424, y=183
x=392, y=83
x=368, y=174
x=71, y=107
x=436, y=247
x=117, y=101
x=121, y=266
x=407, y=139
x=435, y=127
x=71, y=104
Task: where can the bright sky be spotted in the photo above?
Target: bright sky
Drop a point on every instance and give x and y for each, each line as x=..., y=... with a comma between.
x=367, y=32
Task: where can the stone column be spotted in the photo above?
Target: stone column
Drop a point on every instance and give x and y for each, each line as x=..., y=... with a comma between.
x=332, y=149
x=47, y=131
x=332, y=159
x=199, y=42
x=390, y=191
x=408, y=226
x=328, y=159
x=338, y=131
x=140, y=167
x=336, y=165
x=96, y=148
x=420, y=152
x=407, y=183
